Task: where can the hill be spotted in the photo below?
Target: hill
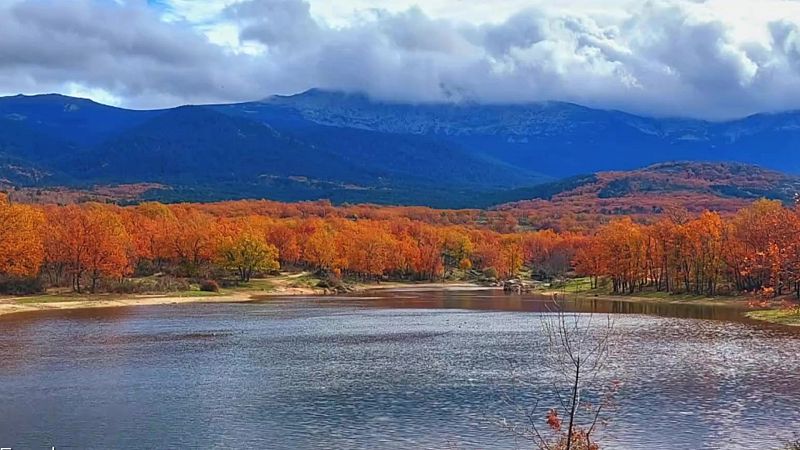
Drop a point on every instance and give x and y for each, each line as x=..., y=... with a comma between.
x=584, y=201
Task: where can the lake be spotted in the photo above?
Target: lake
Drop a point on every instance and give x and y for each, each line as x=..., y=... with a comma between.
x=394, y=370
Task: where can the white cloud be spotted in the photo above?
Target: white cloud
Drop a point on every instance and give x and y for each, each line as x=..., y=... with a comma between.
x=96, y=94
x=712, y=58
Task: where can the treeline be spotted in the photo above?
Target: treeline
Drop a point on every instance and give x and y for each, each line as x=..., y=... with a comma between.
x=83, y=245
x=756, y=250
x=86, y=245
x=500, y=221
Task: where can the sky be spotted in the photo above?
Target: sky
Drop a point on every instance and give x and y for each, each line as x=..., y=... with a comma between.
x=712, y=59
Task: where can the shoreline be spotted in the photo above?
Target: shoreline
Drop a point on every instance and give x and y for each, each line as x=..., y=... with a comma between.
x=700, y=301
x=23, y=304
x=770, y=315
x=9, y=308
x=14, y=305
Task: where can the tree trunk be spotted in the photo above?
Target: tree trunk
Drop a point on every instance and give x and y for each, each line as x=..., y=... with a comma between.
x=574, y=405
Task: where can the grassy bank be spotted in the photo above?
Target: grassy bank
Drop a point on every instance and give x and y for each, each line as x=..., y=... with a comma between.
x=781, y=316
x=582, y=288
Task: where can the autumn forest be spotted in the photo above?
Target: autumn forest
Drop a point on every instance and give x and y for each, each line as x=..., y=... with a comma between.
x=93, y=246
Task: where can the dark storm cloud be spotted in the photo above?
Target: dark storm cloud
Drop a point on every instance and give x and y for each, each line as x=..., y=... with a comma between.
x=126, y=50
x=663, y=58
x=275, y=22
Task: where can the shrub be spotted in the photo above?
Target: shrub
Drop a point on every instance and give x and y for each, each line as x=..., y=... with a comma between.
x=147, y=285
x=490, y=272
x=229, y=283
x=144, y=268
x=209, y=286
x=21, y=286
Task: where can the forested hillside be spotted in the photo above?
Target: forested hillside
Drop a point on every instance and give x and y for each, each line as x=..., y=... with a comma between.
x=583, y=202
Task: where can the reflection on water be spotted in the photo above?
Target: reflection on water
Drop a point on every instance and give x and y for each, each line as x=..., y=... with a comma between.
x=397, y=370
x=497, y=300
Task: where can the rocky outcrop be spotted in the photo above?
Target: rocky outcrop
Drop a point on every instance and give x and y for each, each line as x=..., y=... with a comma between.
x=517, y=286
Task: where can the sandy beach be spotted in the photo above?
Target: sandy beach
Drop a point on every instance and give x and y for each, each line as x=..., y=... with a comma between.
x=280, y=286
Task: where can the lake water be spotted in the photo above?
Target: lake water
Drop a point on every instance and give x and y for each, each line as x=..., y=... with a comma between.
x=401, y=370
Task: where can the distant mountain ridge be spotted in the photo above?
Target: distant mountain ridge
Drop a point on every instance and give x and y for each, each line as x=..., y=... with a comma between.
x=219, y=151
x=564, y=139
x=349, y=148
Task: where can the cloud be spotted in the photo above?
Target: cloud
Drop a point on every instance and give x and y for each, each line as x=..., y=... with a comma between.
x=664, y=57
x=276, y=23
x=125, y=50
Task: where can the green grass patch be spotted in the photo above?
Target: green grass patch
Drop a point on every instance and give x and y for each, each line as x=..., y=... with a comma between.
x=68, y=297
x=73, y=297
x=193, y=293
x=578, y=285
x=785, y=317
x=305, y=281
x=254, y=285
x=259, y=285
x=670, y=296
x=52, y=298
x=679, y=296
x=581, y=285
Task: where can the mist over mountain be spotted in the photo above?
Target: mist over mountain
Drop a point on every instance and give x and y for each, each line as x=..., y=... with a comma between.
x=349, y=148
x=563, y=139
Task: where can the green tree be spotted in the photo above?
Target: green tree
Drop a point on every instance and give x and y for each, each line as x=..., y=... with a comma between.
x=247, y=253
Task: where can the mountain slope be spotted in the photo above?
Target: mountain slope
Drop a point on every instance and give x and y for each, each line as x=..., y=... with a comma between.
x=349, y=148
x=222, y=151
x=192, y=143
x=76, y=120
x=562, y=139
x=405, y=154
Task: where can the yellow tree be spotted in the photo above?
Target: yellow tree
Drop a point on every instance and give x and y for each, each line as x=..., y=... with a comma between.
x=511, y=256
x=457, y=249
x=246, y=251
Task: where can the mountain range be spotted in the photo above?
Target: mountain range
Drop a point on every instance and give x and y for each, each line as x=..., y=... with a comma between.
x=349, y=148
